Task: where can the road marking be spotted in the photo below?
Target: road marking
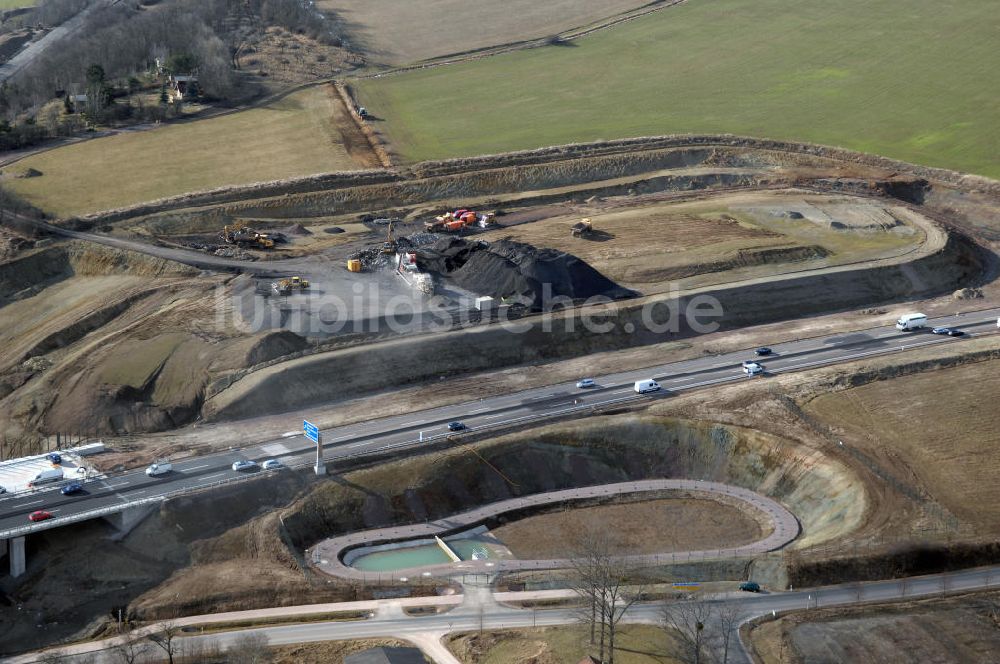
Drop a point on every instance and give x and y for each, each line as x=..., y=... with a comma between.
x=208, y=477
x=478, y=410
x=196, y=467
x=115, y=486
x=289, y=434
x=493, y=417
x=34, y=502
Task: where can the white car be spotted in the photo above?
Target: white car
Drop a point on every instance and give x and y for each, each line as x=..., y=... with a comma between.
x=244, y=464
x=271, y=464
x=584, y=383
x=752, y=369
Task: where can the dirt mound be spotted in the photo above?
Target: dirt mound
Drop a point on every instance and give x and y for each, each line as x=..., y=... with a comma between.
x=295, y=229
x=514, y=271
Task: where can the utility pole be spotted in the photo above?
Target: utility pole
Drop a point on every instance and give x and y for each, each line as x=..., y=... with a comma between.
x=320, y=467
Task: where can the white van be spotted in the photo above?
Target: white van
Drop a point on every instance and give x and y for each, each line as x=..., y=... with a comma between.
x=752, y=369
x=159, y=468
x=643, y=386
x=46, y=477
x=909, y=322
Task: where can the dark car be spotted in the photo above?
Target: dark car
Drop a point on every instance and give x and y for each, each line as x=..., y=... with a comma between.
x=763, y=351
x=456, y=426
x=950, y=331
x=74, y=487
x=54, y=458
x=750, y=587
x=40, y=515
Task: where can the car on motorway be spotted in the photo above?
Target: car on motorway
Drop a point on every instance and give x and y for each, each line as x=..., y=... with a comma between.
x=39, y=515
x=272, y=464
x=244, y=464
x=648, y=385
x=70, y=489
x=456, y=426
x=950, y=331
x=54, y=458
x=752, y=369
x=584, y=383
x=763, y=351
x=159, y=468
x=750, y=587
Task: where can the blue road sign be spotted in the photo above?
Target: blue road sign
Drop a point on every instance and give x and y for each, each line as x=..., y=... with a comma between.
x=311, y=431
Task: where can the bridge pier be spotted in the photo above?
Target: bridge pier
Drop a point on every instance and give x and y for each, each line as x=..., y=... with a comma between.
x=128, y=519
x=14, y=547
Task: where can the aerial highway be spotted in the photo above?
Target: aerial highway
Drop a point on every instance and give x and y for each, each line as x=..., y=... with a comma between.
x=404, y=433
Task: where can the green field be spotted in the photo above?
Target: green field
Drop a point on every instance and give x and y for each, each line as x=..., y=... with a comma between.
x=291, y=137
x=14, y=4
x=918, y=81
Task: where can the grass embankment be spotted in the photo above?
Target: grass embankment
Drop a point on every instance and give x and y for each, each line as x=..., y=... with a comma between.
x=635, y=644
x=914, y=84
x=16, y=4
x=956, y=629
x=942, y=426
x=294, y=136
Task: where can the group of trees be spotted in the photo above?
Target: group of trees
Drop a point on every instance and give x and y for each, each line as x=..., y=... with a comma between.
x=166, y=644
x=698, y=632
x=126, y=39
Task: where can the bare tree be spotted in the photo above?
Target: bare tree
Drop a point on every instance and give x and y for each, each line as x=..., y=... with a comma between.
x=129, y=648
x=250, y=648
x=728, y=615
x=687, y=622
x=165, y=638
x=605, y=580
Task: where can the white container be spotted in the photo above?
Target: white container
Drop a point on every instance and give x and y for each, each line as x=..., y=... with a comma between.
x=909, y=322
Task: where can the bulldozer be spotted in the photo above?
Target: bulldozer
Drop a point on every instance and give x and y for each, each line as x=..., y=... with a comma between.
x=286, y=286
x=581, y=228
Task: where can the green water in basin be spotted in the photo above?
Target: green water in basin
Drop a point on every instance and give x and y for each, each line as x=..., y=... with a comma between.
x=414, y=556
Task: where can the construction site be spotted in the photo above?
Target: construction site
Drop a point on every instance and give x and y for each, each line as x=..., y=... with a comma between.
x=171, y=330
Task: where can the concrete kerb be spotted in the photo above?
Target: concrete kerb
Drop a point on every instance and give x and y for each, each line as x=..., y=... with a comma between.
x=328, y=556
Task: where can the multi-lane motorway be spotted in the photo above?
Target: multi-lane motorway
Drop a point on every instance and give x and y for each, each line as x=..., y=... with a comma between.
x=412, y=430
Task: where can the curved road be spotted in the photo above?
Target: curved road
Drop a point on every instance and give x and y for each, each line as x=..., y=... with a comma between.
x=326, y=555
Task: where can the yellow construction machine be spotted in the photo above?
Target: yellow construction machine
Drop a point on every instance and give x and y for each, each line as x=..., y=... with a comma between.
x=287, y=286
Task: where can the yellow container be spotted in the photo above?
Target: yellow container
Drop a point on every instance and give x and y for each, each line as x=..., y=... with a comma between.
x=354, y=265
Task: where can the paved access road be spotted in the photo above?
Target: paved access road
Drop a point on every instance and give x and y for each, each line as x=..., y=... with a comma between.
x=784, y=528
x=396, y=435
x=475, y=611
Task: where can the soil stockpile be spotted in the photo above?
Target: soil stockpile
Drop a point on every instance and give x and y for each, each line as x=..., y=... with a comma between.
x=512, y=270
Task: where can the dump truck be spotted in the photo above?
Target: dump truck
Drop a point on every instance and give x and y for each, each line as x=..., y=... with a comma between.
x=581, y=228
x=241, y=234
x=286, y=286
x=451, y=222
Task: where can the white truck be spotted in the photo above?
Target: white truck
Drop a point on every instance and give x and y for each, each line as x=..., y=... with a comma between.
x=47, y=476
x=159, y=468
x=909, y=322
x=643, y=386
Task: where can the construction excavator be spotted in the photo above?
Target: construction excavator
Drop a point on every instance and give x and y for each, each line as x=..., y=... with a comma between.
x=390, y=245
x=240, y=233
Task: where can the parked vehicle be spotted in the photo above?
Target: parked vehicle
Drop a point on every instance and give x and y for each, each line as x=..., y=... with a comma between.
x=244, y=464
x=750, y=587
x=54, y=458
x=644, y=386
x=752, y=369
x=159, y=468
x=763, y=351
x=585, y=383
x=39, y=515
x=46, y=477
x=456, y=426
x=70, y=489
x=272, y=464
x=909, y=322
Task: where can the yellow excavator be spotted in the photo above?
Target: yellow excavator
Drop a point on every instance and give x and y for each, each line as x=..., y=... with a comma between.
x=390, y=245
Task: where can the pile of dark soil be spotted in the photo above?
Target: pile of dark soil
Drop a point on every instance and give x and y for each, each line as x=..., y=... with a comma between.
x=519, y=272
